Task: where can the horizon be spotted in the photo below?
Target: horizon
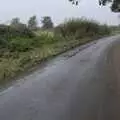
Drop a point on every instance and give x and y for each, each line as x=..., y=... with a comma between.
x=61, y=11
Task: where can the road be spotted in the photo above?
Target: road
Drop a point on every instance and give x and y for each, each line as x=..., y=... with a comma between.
x=82, y=84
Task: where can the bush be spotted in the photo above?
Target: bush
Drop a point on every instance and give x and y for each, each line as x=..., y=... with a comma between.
x=3, y=42
x=104, y=29
x=16, y=37
x=20, y=44
x=19, y=30
x=80, y=28
x=46, y=38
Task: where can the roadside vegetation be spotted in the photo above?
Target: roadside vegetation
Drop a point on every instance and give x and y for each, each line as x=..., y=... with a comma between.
x=23, y=46
x=115, y=29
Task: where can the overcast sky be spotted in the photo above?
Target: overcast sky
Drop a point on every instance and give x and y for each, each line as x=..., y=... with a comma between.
x=57, y=9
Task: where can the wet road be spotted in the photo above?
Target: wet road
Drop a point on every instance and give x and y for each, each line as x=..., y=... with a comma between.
x=82, y=84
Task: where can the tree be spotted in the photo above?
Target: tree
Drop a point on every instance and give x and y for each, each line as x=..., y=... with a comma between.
x=115, y=4
x=16, y=24
x=32, y=23
x=16, y=28
x=47, y=22
x=15, y=21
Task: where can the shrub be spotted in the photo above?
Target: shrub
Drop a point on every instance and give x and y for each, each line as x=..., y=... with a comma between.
x=45, y=38
x=20, y=44
x=19, y=30
x=104, y=29
x=3, y=42
x=80, y=28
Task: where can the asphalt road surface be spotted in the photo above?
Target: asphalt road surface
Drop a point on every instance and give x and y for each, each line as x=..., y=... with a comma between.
x=82, y=84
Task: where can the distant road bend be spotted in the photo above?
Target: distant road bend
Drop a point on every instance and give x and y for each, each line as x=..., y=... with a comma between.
x=82, y=84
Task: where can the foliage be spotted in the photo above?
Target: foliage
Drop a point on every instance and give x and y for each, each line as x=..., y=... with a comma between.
x=47, y=22
x=7, y=32
x=15, y=21
x=32, y=23
x=20, y=44
x=115, y=7
x=81, y=27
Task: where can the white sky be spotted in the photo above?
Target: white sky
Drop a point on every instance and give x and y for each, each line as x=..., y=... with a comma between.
x=57, y=9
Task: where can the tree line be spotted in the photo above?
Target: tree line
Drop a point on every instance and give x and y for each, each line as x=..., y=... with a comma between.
x=32, y=23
